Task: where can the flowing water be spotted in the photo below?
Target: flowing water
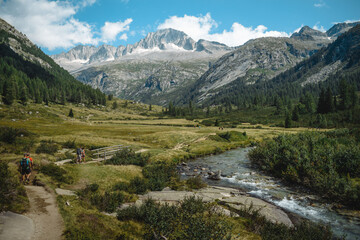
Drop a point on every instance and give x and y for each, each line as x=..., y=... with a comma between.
x=237, y=172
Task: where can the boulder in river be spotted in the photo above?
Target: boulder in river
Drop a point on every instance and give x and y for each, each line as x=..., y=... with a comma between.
x=215, y=176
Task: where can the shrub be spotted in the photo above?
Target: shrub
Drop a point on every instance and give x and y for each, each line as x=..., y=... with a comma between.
x=159, y=174
x=69, y=144
x=56, y=173
x=107, y=202
x=137, y=185
x=190, y=219
x=207, y=122
x=10, y=135
x=48, y=147
x=12, y=194
x=127, y=156
x=195, y=182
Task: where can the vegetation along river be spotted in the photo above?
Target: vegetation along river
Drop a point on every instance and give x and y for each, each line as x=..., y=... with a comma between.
x=237, y=172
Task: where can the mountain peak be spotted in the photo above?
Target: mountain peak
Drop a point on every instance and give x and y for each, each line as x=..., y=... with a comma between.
x=340, y=28
x=306, y=33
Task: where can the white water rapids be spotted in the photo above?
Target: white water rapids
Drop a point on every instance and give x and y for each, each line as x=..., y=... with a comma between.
x=237, y=172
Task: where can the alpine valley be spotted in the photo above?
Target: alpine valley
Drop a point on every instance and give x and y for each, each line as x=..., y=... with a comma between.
x=168, y=65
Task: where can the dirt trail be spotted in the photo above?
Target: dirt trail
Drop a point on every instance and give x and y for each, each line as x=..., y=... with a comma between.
x=44, y=213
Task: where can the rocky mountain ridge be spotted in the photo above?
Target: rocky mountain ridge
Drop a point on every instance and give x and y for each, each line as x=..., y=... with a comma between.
x=262, y=59
x=155, y=44
x=168, y=65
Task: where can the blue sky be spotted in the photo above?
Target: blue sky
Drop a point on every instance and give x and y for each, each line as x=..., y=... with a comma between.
x=57, y=26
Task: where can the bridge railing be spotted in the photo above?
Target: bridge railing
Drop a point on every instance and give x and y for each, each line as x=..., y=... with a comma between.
x=108, y=151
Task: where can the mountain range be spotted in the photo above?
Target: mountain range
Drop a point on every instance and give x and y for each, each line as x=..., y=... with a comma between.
x=167, y=65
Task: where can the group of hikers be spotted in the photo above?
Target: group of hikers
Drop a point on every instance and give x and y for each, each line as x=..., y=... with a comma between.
x=25, y=167
x=80, y=153
x=26, y=164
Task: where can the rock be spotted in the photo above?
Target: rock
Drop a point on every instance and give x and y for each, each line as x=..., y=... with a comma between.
x=184, y=164
x=216, y=176
x=67, y=203
x=269, y=211
x=65, y=192
x=195, y=170
x=203, y=169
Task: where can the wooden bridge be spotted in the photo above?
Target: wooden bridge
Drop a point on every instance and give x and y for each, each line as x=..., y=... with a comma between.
x=100, y=153
x=107, y=152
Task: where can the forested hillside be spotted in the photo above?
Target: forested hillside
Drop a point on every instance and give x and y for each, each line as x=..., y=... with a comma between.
x=26, y=73
x=326, y=83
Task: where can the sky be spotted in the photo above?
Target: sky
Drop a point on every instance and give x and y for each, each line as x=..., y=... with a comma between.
x=58, y=26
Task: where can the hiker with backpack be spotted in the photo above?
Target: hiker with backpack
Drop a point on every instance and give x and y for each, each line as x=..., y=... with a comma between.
x=31, y=161
x=25, y=169
x=78, y=154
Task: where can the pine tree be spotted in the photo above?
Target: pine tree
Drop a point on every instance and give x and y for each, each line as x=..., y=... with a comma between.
x=71, y=114
x=114, y=105
x=9, y=92
x=295, y=114
x=150, y=107
x=287, y=120
x=345, y=100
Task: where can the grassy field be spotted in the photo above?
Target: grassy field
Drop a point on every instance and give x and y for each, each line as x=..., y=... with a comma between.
x=130, y=124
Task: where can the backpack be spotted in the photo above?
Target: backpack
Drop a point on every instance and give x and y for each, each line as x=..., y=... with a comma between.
x=25, y=163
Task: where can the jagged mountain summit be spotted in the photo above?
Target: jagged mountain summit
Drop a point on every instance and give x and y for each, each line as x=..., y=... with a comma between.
x=154, y=70
x=163, y=44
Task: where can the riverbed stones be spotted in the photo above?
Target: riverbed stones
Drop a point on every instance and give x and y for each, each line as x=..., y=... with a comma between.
x=228, y=196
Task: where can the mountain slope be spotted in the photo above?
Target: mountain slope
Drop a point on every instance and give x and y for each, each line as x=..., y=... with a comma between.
x=258, y=60
x=341, y=59
x=27, y=73
x=154, y=70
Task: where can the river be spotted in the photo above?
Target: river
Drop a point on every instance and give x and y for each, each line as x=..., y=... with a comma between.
x=237, y=172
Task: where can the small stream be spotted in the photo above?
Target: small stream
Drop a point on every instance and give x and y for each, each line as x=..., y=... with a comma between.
x=237, y=173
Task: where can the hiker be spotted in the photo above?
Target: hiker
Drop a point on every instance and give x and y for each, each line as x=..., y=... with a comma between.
x=31, y=161
x=78, y=153
x=83, y=155
x=25, y=169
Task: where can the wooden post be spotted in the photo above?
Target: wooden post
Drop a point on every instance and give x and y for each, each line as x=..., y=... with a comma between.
x=105, y=155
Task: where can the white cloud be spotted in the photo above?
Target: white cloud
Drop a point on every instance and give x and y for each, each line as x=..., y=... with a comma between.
x=319, y=27
x=110, y=30
x=298, y=29
x=51, y=24
x=347, y=21
x=201, y=27
x=320, y=4
x=123, y=37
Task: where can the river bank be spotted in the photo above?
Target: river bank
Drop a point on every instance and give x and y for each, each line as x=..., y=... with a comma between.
x=237, y=172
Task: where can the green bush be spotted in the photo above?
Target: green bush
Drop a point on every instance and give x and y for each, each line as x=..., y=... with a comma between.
x=9, y=134
x=190, y=219
x=195, y=182
x=138, y=185
x=69, y=144
x=127, y=156
x=207, y=122
x=323, y=162
x=48, y=147
x=12, y=194
x=159, y=174
x=108, y=202
x=56, y=173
